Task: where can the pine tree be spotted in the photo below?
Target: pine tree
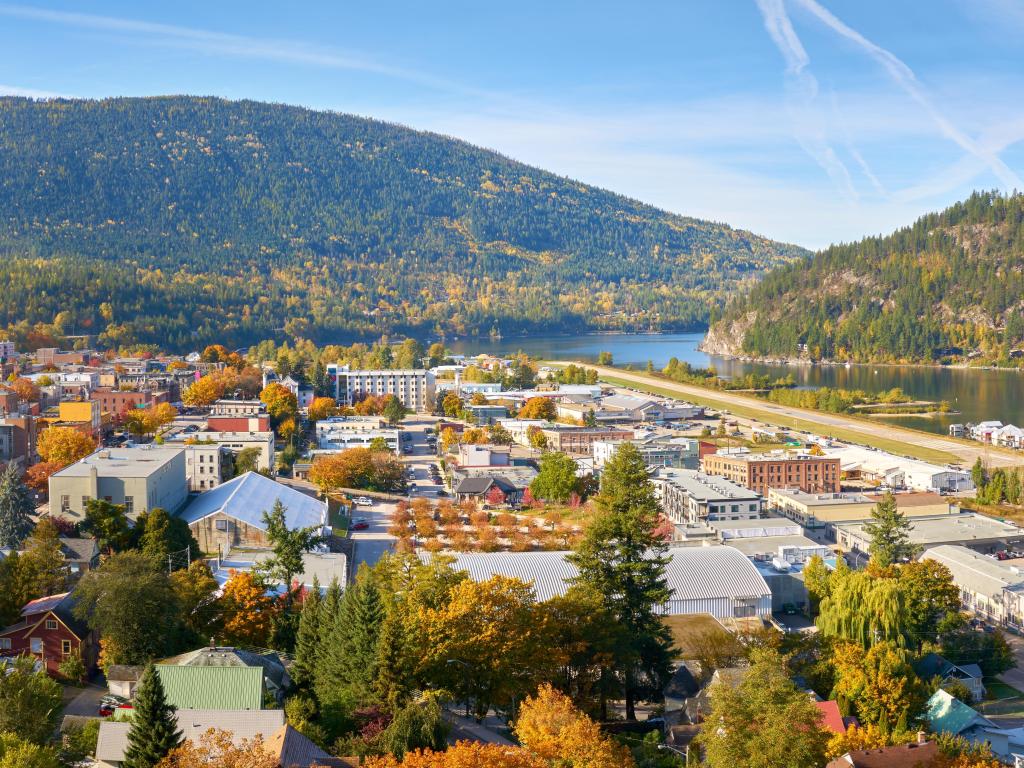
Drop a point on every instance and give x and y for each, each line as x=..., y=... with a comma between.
x=622, y=558
x=392, y=684
x=350, y=657
x=307, y=640
x=889, y=530
x=15, y=508
x=330, y=607
x=154, y=730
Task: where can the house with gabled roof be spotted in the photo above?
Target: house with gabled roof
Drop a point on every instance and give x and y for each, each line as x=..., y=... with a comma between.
x=934, y=665
x=49, y=632
x=231, y=515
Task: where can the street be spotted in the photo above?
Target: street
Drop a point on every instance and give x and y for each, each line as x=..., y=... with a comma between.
x=370, y=544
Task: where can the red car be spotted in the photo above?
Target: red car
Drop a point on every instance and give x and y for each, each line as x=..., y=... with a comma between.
x=360, y=525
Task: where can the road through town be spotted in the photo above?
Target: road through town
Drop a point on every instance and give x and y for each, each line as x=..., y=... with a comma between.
x=899, y=440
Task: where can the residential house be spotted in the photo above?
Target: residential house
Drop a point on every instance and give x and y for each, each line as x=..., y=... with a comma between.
x=831, y=717
x=913, y=755
x=288, y=746
x=80, y=555
x=275, y=677
x=49, y=632
x=983, y=431
x=231, y=515
x=1009, y=436
x=946, y=714
x=212, y=687
x=492, y=489
x=970, y=675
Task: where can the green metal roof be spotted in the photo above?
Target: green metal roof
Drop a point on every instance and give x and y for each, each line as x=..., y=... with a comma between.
x=947, y=714
x=212, y=687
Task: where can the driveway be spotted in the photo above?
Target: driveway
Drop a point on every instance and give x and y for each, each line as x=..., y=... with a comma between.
x=87, y=702
x=1015, y=676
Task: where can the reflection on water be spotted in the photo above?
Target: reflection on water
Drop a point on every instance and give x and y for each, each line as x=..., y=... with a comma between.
x=977, y=394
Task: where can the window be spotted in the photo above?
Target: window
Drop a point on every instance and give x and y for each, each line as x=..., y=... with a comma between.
x=36, y=644
x=65, y=647
x=223, y=525
x=51, y=623
x=129, y=504
x=85, y=502
x=5, y=643
x=65, y=503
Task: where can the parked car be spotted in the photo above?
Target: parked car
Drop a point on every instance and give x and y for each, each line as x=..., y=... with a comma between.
x=111, y=702
x=363, y=501
x=360, y=525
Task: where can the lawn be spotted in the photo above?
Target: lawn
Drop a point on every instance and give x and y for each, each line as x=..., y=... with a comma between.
x=997, y=689
x=337, y=518
x=752, y=411
x=686, y=628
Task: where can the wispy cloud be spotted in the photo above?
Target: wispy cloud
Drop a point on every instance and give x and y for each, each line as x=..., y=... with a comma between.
x=239, y=46
x=802, y=92
x=904, y=77
x=32, y=93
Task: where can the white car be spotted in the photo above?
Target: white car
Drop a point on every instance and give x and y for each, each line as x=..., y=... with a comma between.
x=364, y=501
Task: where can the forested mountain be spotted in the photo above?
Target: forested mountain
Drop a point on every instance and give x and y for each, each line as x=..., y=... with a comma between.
x=184, y=220
x=949, y=288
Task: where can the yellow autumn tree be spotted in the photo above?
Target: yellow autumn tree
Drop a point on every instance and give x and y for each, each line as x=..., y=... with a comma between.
x=64, y=445
x=322, y=408
x=216, y=748
x=465, y=754
x=551, y=727
x=538, y=408
x=864, y=737
x=280, y=401
x=248, y=613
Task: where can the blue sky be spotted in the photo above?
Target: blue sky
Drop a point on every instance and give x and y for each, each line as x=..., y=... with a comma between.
x=810, y=121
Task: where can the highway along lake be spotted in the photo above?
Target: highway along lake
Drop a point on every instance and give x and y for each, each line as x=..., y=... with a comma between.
x=977, y=394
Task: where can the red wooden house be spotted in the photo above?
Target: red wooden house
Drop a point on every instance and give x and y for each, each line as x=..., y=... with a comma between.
x=48, y=631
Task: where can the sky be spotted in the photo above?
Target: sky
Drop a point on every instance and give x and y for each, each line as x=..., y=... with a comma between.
x=809, y=121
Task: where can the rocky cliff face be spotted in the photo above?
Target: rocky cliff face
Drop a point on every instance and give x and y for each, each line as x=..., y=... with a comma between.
x=726, y=338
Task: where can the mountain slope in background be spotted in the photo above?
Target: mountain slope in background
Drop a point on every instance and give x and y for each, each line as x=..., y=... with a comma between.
x=184, y=220
x=947, y=289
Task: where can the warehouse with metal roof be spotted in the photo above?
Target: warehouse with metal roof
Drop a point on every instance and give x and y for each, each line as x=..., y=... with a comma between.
x=719, y=580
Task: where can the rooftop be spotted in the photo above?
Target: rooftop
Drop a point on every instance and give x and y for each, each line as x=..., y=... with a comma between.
x=820, y=499
x=248, y=496
x=941, y=529
x=984, y=575
x=136, y=461
x=205, y=687
x=703, y=487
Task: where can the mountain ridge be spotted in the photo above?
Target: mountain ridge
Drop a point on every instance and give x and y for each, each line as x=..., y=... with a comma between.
x=947, y=289
x=186, y=220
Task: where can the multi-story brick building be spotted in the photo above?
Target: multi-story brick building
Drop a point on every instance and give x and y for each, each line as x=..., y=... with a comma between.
x=119, y=402
x=580, y=440
x=776, y=469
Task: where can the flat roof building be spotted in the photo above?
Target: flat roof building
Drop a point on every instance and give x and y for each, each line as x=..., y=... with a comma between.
x=988, y=588
x=966, y=528
x=824, y=510
x=899, y=471
x=776, y=469
x=140, y=477
x=414, y=388
x=689, y=496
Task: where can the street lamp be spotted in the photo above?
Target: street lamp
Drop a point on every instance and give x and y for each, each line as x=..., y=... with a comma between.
x=467, y=668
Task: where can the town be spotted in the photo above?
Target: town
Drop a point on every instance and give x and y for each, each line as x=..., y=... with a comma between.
x=343, y=565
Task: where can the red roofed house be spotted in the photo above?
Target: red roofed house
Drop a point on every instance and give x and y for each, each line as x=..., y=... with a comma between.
x=913, y=755
x=831, y=717
x=48, y=631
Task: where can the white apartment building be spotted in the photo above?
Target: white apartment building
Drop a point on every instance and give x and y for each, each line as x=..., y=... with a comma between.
x=690, y=496
x=341, y=440
x=238, y=441
x=202, y=466
x=414, y=388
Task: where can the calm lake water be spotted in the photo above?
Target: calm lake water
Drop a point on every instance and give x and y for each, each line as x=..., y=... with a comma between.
x=977, y=394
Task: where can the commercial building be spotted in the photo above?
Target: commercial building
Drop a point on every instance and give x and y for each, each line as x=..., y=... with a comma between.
x=824, y=510
x=689, y=496
x=239, y=441
x=350, y=424
x=140, y=477
x=580, y=440
x=717, y=580
x=775, y=469
x=984, y=534
x=231, y=515
x=119, y=402
x=244, y=408
x=202, y=466
x=988, y=588
x=656, y=450
x=341, y=440
x=415, y=389
x=485, y=415
x=84, y=415
x=898, y=471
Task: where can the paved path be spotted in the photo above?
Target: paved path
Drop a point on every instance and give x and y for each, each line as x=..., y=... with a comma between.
x=464, y=729
x=86, y=703
x=778, y=415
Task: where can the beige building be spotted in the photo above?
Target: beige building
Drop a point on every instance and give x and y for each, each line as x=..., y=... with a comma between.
x=580, y=440
x=141, y=478
x=988, y=588
x=202, y=466
x=238, y=441
x=822, y=510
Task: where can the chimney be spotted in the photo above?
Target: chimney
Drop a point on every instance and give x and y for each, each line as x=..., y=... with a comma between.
x=922, y=737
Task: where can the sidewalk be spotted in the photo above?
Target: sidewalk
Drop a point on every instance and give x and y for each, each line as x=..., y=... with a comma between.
x=467, y=728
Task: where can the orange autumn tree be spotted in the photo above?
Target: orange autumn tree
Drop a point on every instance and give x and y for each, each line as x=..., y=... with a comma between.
x=25, y=389
x=322, y=408
x=216, y=750
x=465, y=754
x=248, y=613
x=538, y=408
x=551, y=727
x=37, y=477
x=64, y=445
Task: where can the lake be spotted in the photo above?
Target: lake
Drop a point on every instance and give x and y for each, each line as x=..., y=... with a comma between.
x=979, y=395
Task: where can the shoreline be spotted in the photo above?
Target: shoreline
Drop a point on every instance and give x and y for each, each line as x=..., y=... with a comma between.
x=799, y=362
